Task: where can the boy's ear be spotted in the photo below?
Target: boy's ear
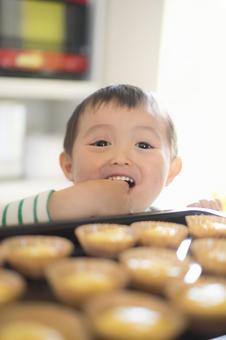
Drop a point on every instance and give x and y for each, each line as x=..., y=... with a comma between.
x=174, y=170
x=66, y=165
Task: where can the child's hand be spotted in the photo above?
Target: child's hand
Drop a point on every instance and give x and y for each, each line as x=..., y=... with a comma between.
x=106, y=197
x=90, y=198
x=208, y=204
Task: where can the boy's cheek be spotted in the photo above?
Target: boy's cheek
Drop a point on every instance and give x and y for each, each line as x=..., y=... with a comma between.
x=86, y=168
x=81, y=174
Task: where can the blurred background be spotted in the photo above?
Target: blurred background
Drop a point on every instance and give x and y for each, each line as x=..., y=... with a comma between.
x=53, y=53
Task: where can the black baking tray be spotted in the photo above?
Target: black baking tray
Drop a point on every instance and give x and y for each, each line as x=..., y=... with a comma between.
x=38, y=290
x=66, y=228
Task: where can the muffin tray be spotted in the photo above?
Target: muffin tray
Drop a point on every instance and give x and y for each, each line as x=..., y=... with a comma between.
x=66, y=228
x=38, y=290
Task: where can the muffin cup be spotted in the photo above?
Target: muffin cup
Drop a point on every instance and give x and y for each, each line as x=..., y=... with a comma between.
x=2, y=255
x=206, y=225
x=12, y=286
x=159, y=234
x=152, y=269
x=203, y=302
x=30, y=254
x=105, y=240
x=62, y=321
x=128, y=315
x=210, y=253
x=75, y=280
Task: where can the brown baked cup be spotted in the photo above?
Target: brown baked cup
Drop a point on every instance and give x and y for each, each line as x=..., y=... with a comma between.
x=203, y=302
x=41, y=320
x=159, y=234
x=153, y=268
x=75, y=280
x=30, y=254
x=210, y=253
x=206, y=225
x=12, y=286
x=105, y=239
x=125, y=315
x=2, y=255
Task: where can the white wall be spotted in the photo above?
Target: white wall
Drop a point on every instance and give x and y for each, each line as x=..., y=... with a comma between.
x=132, y=42
x=192, y=79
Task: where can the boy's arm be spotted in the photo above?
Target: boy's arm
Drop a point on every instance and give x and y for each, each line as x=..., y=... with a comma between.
x=33, y=209
x=90, y=198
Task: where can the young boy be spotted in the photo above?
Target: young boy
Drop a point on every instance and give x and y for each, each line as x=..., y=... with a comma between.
x=120, y=150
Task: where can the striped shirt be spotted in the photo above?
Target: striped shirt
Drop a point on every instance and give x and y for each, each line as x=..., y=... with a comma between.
x=33, y=209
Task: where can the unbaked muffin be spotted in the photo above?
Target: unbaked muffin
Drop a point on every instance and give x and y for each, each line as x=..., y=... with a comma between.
x=41, y=321
x=75, y=280
x=28, y=330
x=159, y=234
x=103, y=239
x=204, y=303
x=206, y=225
x=12, y=286
x=210, y=253
x=130, y=316
x=152, y=268
x=32, y=253
x=2, y=255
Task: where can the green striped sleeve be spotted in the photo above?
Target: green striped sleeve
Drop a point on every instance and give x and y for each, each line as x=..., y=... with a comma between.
x=4, y=215
x=35, y=209
x=20, y=213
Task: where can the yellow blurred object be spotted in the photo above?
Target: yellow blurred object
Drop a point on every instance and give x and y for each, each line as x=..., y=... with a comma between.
x=34, y=60
x=221, y=197
x=43, y=23
x=28, y=330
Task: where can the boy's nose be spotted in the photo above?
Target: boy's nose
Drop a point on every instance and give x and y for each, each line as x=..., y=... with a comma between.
x=120, y=158
x=120, y=162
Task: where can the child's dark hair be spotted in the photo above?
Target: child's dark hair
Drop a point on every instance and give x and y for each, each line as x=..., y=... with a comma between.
x=121, y=94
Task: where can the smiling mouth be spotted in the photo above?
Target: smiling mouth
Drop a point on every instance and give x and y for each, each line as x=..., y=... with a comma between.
x=127, y=179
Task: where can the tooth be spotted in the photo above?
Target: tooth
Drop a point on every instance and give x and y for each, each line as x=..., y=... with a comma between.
x=123, y=178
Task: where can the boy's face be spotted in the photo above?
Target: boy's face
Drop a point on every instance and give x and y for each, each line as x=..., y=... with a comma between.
x=115, y=142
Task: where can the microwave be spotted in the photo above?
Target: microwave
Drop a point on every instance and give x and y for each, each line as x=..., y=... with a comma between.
x=45, y=38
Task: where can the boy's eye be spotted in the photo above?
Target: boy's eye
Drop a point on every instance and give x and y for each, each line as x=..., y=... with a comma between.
x=101, y=143
x=144, y=145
